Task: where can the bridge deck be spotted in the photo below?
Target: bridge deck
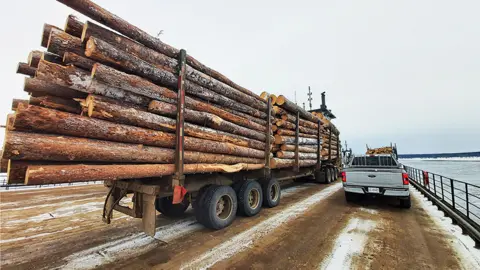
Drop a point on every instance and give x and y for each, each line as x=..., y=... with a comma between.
x=312, y=228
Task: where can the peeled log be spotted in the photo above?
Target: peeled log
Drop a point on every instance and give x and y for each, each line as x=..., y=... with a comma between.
x=294, y=108
x=130, y=116
x=47, y=28
x=41, y=87
x=16, y=102
x=290, y=155
x=38, y=119
x=70, y=58
x=73, y=26
x=102, y=51
x=303, y=149
x=118, y=24
x=30, y=146
x=54, y=174
x=276, y=163
x=138, y=85
x=57, y=103
x=25, y=69
x=34, y=58
x=60, y=42
x=81, y=80
x=280, y=139
x=288, y=132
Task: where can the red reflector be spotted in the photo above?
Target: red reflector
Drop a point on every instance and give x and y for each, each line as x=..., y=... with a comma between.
x=405, y=179
x=344, y=177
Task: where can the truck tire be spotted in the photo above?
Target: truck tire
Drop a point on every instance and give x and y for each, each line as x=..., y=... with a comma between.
x=164, y=205
x=320, y=177
x=271, y=193
x=406, y=203
x=218, y=208
x=250, y=198
x=329, y=174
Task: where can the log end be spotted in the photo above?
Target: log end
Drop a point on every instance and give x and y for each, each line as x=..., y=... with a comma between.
x=264, y=95
x=90, y=47
x=280, y=100
x=273, y=98
x=278, y=139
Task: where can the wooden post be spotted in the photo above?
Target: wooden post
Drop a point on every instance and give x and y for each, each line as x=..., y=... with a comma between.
x=297, y=131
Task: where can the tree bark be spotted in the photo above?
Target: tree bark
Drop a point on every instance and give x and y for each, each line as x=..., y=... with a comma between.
x=288, y=132
x=304, y=123
x=291, y=155
x=16, y=102
x=41, y=87
x=102, y=51
x=16, y=171
x=54, y=174
x=291, y=126
x=74, y=26
x=57, y=103
x=116, y=23
x=34, y=58
x=294, y=108
x=276, y=163
x=280, y=139
x=205, y=119
x=60, y=42
x=25, y=69
x=301, y=148
x=130, y=116
x=45, y=120
x=144, y=87
x=30, y=146
x=81, y=80
x=3, y=164
x=47, y=28
x=70, y=58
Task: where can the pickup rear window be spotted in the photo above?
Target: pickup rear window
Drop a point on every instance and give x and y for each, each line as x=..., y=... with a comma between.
x=374, y=161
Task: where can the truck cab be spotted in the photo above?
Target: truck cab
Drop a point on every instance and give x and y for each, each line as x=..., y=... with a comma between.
x=376, y=175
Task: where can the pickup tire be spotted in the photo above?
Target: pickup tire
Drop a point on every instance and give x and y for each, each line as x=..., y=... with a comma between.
x=250, y=198
x=271, y=193
x=406, y=203
x=166, y=207
x=351, y=197
x=218, y=208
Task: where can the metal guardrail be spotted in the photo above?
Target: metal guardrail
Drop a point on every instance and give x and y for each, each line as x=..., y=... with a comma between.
x=458, y=199
x=5, y=186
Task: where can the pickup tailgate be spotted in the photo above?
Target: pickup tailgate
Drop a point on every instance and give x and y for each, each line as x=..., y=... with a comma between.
x=372, y=177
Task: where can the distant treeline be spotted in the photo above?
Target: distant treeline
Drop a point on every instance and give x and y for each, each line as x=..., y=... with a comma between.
x=441, y=155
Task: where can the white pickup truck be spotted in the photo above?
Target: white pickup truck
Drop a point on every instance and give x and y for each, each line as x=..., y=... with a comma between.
x=376, y=175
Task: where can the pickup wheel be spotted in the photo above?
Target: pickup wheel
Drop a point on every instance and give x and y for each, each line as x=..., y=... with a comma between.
x=271, y=193
x=218, y=208
x=166, y=207
x=250, y=198
x=406, y=203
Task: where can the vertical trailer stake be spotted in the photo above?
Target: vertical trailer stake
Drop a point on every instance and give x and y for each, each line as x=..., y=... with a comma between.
x=178, y=178
x=297, y=130
x=319, y=146
x=268, y=141
x=330, y=144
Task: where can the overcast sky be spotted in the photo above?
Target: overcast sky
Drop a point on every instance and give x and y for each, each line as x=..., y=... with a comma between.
x=394, y=71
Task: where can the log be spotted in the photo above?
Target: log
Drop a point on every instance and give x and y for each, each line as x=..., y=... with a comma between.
x=16, y=102
x=52, y=58
x=30, y=146
x=294, y=108
x=288, y=132
x=205, y=119
x=16, y=171
x=34, y=58
x=10, y=121
x=74, y=26
x=116, y=23
x=3, y=164
x=60, y=42
x=57, y=103
x=41, y=87
x=291, y=155
x=25, y=69
x=54, y=174
x=38, y=119
x=301, y=148
x=276, y=163
x=281, y=139
x=81, y=80
x=47, y=28
x=129, y=116
x=304, y=123
x=144, y=87
x=102, y=51
x=70, y=58
x=291, y=126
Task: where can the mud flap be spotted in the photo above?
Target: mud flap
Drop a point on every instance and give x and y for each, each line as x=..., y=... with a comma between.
x=178, y=194
x=149, y=214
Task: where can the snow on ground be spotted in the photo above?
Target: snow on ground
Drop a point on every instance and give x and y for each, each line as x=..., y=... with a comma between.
x=462, y=244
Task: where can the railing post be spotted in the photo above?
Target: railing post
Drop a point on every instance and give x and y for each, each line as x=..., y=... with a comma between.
x=434, y=185
x=441, y=183
x=466, y=199
x=453, y=193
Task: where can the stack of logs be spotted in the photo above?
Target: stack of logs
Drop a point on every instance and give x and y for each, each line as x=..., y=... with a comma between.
x=103, y=106
x=387, y=150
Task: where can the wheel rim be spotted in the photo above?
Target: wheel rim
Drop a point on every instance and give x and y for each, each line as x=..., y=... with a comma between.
x=224, y=207
x=274, y=191
x=253, y=198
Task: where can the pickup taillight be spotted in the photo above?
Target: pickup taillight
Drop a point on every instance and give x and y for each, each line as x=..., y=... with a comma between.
x=405, y=179
x=344, y=177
